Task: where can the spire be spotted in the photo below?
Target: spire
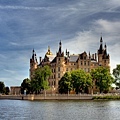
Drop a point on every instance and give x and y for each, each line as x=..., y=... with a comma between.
x=60, y=43
x=60, y=46
x=89, y=55
x=101, y=45
x=34, y=57
x=101, y=40
x=33, y=50
x=33, y=54
x=105, y=46
x=48, y=52
x=60, y=53
x=66, y=52
x=49, y=48
x=105, y=51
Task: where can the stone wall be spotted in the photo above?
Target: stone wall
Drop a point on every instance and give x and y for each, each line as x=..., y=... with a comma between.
x=49, y=97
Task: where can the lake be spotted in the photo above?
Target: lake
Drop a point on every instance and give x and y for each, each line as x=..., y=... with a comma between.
x=59, y=110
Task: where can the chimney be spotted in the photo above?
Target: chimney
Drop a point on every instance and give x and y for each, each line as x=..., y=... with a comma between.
x=92, y=56
x=40, y=59
x=95, y=56
x=68, y=54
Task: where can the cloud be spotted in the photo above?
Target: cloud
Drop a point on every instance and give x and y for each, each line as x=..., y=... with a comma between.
x=89, y=40
x=107, y=26
x=2, y=56
x=14, y=44
x=23, y=8
x=9, y=71
x=83, y=41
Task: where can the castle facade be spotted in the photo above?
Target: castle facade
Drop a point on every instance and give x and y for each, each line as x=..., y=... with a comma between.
x=61, y=63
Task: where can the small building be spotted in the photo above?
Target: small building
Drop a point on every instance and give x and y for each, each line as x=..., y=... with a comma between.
x=15, y=90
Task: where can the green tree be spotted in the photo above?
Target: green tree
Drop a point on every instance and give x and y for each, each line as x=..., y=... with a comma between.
x=65, y=83
x=116, y=74
x=81, y=81
x=7, y=90
x=40, y=79
x=26, y=85
x=103, y=78
x=2, y=87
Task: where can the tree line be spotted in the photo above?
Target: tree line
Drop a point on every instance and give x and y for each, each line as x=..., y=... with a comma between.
x=3, y=89
x=77, y=80
x=80, y=81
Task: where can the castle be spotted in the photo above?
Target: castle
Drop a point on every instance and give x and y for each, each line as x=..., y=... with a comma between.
x=61, y=63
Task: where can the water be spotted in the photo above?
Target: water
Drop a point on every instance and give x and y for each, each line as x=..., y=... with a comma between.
x=59, y=110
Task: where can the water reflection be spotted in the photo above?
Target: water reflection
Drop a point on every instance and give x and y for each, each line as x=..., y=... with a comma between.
x=59, y=110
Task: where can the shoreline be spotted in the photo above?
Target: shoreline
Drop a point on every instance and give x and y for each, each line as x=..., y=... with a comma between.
x=61, y=97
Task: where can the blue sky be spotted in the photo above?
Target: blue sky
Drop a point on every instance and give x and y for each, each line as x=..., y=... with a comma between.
x=28, y=24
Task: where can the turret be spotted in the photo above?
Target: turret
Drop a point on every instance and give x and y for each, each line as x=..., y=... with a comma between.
x=60, y=47
x=60, y=53
x=100, y=51
x=103, y=57
x=33, y=63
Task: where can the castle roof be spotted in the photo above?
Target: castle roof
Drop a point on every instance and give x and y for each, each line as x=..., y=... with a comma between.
x=73, y=58
x=54, y=60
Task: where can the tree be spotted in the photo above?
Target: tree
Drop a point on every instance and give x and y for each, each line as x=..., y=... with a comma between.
x=40, y=79
x=116, y=74
x=81, y=81
x=25, y=85
x=103, y=78
x=65, y=83
x=7, y=90
x=2, y=87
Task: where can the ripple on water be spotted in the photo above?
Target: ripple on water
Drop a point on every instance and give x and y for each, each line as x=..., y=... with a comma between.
x=59, y=110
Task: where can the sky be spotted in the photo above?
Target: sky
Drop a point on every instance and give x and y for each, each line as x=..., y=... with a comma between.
x=36, y=24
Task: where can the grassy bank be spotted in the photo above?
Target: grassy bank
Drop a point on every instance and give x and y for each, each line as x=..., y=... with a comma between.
x=108, y=97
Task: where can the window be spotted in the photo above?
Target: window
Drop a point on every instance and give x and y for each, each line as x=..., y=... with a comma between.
x=81, y=62
x=53, y=83
x=66, y=69
x=58, y=68
x=58, y=75
x=52, y=77
x=88, y=63
x=84, y=62
x=58, y=59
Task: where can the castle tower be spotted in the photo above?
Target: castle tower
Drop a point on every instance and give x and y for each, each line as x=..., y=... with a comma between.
x=60, y=53
x=103, y=57
x=106, y=58
x=59, y=64
x=100, y=52
x=33, y=64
